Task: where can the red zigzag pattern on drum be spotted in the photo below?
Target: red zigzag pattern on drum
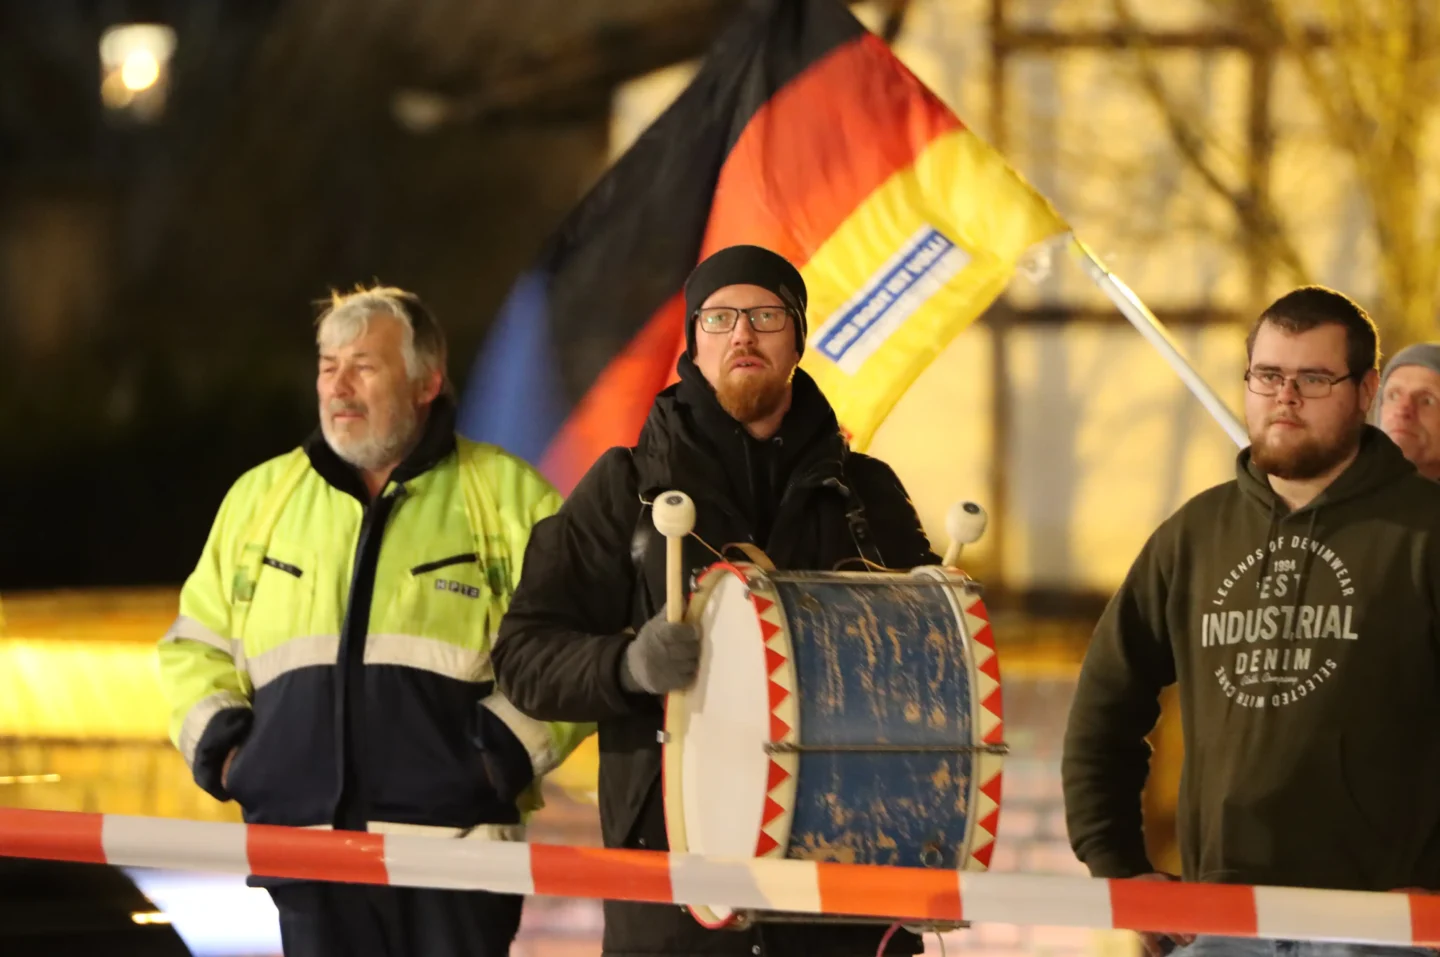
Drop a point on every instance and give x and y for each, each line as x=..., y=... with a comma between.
x=780, y=686
x=992, y=731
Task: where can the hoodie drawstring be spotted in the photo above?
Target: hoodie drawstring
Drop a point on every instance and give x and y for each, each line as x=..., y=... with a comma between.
x=1269, y=551
x=1304, y=570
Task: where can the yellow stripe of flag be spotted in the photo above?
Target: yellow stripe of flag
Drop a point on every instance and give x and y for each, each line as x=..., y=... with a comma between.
x=918, y=260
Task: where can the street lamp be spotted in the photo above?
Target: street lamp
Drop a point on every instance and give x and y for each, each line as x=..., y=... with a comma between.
x=135, y=69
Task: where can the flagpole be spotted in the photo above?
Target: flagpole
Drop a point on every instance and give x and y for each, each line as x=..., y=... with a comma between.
x=1149, y=326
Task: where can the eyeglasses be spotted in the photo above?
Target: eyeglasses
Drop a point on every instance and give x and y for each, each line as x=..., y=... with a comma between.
x=722, y=319
x=1310, y=385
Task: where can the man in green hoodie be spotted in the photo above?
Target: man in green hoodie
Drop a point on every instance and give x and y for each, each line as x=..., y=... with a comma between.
x=1297, y=608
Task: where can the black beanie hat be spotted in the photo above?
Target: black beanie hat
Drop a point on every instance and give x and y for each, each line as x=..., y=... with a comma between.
x=749, y=266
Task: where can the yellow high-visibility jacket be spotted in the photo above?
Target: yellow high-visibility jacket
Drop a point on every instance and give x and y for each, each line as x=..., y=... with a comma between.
x=344, y=645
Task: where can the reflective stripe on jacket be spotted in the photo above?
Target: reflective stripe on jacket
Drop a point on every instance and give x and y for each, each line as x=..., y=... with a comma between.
x=345, y=644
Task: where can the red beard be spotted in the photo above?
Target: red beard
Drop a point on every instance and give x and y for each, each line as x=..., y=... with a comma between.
x=751, y=397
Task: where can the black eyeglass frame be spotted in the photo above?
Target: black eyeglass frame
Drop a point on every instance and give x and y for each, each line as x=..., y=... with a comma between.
x=1329, y=383
x=736, y=312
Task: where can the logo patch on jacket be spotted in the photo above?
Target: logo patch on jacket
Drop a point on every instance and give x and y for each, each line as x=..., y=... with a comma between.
x=459, y=588
x=1279, y=623
x=282, y=566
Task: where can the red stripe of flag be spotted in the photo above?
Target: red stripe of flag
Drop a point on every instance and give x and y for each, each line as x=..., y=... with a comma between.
x=820, y=146
x=614, y=409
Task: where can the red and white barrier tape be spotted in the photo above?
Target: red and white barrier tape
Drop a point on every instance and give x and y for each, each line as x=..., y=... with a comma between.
x=912, y=895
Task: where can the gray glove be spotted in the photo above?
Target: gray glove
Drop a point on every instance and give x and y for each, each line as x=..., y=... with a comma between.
x=663, y=658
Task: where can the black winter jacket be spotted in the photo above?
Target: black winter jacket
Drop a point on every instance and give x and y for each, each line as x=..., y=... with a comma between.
x=595, y=572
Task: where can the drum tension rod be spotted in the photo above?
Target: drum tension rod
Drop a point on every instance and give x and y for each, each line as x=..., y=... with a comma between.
x=782, y=747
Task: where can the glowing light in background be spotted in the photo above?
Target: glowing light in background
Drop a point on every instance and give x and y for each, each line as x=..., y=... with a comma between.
x=420, y=111
x=139, y=71
x=135, y=69
x=216, y=915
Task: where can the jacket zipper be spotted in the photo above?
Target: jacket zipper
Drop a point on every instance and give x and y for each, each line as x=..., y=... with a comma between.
x=350, y=674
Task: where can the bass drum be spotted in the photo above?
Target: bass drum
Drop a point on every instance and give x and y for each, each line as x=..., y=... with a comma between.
x=852, y=717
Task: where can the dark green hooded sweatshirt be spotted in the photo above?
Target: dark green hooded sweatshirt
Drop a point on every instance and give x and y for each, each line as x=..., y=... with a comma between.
x=1307, y=653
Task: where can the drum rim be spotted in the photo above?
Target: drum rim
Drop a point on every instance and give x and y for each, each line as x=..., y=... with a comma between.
x=987, y=771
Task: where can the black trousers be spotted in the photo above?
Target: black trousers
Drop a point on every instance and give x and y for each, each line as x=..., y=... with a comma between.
x=361, y=920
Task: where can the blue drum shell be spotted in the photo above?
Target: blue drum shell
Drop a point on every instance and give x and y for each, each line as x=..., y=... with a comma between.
x=880, y=662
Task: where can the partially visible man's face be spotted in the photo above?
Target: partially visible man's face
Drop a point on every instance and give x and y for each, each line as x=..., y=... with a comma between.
x=369, y=407
x=1410, y=415
x=749, y=370
x=1294, y=437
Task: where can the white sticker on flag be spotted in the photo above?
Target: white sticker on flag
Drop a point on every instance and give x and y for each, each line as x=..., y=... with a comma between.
x=918, y=270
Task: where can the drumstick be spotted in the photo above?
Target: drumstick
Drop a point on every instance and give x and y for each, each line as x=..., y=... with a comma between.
x=674, y=516
x=964, y=523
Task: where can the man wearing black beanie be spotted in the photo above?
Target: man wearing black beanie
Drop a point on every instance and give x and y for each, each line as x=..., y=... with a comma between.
x=750, y=438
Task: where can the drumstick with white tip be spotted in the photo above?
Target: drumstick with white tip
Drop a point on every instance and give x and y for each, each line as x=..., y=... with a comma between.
x=674, y=516
x=964, y=523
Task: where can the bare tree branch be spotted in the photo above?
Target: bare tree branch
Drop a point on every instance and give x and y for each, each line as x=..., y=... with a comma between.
x=1252, y=208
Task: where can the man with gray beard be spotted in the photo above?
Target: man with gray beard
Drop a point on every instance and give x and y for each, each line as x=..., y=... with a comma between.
x=330, y=667
x=1296, y=607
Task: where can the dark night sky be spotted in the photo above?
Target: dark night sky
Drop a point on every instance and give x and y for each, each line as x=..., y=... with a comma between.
x=157, y=284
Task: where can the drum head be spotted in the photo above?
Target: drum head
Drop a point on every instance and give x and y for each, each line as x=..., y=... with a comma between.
x=720, y=783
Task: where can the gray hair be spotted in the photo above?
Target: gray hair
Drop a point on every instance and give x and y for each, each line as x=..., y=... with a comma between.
x=423, y=346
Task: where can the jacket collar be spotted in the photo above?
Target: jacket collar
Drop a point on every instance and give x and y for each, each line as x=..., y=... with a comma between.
x=689, y=441
x=436, y=442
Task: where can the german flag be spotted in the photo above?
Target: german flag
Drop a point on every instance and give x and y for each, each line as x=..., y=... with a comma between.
x=803, y=133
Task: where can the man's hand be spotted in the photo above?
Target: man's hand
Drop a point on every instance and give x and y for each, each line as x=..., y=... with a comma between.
x=1156, y=944
x=664, y=657
x=225, y=768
